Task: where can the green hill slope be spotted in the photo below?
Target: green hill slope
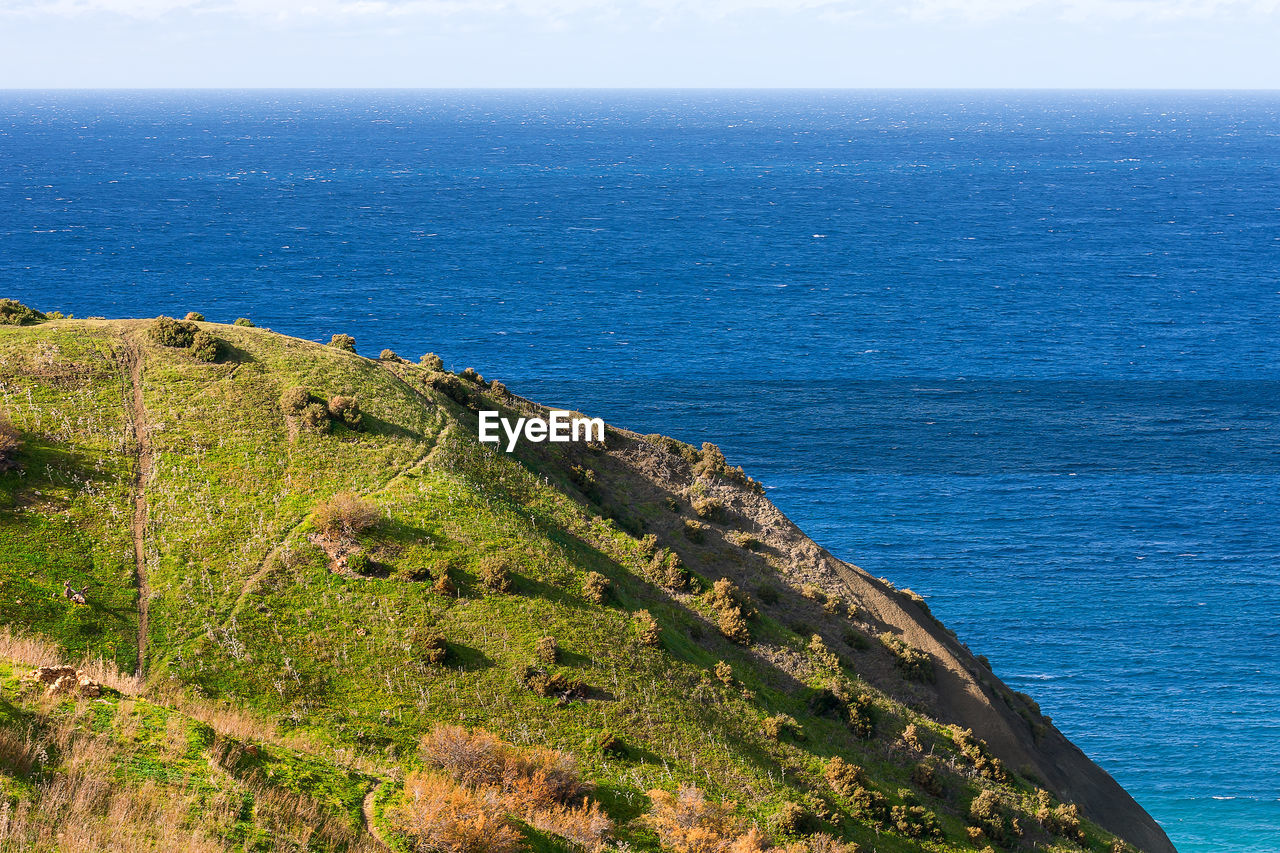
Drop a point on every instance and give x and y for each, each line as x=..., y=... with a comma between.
x=636, y=605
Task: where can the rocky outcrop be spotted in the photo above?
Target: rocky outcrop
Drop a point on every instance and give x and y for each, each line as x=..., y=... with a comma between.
x=62, y=680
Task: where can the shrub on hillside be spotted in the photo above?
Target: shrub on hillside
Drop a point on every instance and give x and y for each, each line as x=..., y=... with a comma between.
x=346, y=411
x=687, y=822
x=294, y=400
x=437, y=815
x=915, y=821
x=549, y=685
x=496, y=574
x=990, y=814
x=480, y=759
x=14, y=313
x=782, y=724
x=444, y=584
x=359, y=562
x=791, y=819
x=315, y=417
x=850, y=782
x=975, y=750
x=1058, y=819
x=694, y=531
x=452, y=387
x=547, y=650
x=194, y=316
x=862, y=719
x=343, y=342
x=173, y=333
x=668, y=571
x=470, y=375
x=431, y=361
x=389, y=355
x=823, y=654
x=596, y=587
x=344, y=514
x=914, y=664
x=245, y=322
x=925, y=777
x=647, y=626
x=734, y=627
x=709, y=508
x=431, y=647
x=204, y=347
x=724, y=673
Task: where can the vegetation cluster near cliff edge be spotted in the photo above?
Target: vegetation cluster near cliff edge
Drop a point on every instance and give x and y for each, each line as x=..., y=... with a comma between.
x=309, y=589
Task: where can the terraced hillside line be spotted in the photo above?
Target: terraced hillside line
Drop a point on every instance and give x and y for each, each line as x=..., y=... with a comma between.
x=267, y=562
x=142, y=469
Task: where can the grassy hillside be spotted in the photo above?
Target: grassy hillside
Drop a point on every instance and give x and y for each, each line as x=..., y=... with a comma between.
x=637, y=607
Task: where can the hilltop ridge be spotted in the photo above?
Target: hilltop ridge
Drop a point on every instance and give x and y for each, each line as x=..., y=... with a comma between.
x=319, y=540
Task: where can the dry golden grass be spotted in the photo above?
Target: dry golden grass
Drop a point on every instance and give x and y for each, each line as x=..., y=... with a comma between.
x=80, y=803
x=441, y=816
x=542, y=786
x=688, y=822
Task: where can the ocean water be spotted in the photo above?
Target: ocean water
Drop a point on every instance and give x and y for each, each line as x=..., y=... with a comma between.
x=1015, y=350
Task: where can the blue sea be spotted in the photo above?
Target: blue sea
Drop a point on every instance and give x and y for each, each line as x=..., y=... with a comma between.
x=1014, y=350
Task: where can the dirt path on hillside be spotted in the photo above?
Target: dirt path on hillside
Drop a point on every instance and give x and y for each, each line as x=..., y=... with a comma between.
x=142, y=470
x=366, y=808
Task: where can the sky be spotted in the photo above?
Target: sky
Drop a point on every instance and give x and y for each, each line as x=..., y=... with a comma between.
x=1173, y=44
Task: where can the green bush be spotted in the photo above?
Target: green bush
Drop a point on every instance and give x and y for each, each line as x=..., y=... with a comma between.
x=430, y=646
x=979, y=755
x=294, y=400
x=990, y=814
x=345, y=514
x=431, y=361
x=694, y=531
x=343, y=342
x=14, y=313
x=444, y=584
x=194, y=316
x=647, y=626
x=173, y=333
x=359, y=562
x=389, y=355
x=596, y=587
x=782, y=724
x=914, y=664
x=925, y=776
x=495, y=574
x=862, y=719
x=204, y=347
x=915, y=821
x=608, y=743
x=470, y=375
x=315, y=417
x=708, y=508
x=547, y=650
x=244, y=321
x=346, y=411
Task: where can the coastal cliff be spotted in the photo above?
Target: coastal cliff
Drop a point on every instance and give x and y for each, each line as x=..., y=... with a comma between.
x=318, y=542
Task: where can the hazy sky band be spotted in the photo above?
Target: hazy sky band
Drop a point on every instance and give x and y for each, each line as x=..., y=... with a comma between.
x=646, y=43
